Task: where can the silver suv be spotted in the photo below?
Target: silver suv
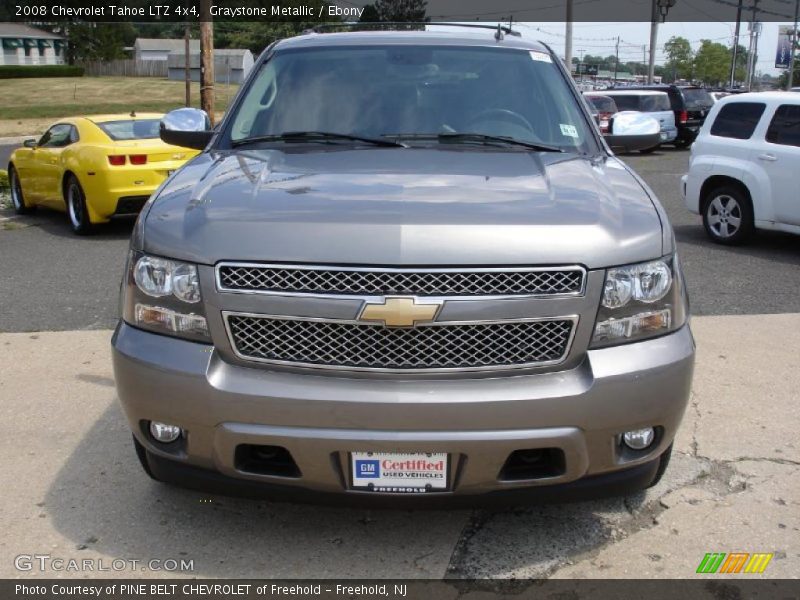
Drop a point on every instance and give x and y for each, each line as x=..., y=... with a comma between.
x=406, y=265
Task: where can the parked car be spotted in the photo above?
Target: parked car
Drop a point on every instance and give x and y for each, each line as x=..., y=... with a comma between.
x=605, y=107
x=655, y=104
x=743, y=167
x=93, y=168
x=405, y=265
x=717, y=96
x=690, y=104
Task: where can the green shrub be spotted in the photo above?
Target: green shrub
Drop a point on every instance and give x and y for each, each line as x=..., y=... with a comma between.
x=30, y=71
x=4, y=181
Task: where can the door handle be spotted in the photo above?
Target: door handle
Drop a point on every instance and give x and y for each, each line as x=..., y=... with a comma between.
x=768, y=157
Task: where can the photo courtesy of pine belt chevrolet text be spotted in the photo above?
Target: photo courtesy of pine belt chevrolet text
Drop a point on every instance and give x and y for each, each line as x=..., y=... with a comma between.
x=405, y=268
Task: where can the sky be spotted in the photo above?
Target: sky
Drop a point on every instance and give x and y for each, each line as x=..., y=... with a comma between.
x=600, y=38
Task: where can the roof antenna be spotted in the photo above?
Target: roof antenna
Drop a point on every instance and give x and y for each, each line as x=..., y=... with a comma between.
x=498, y=35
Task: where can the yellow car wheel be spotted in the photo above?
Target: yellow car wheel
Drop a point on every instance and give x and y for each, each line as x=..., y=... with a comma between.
x=17, y=198
x=76, y=207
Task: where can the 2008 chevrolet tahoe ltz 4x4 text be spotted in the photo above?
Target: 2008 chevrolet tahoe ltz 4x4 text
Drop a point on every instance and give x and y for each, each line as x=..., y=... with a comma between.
x=405, y=264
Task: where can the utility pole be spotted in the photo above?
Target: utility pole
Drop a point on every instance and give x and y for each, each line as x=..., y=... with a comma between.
x=653, y=41
x=187, y=71
x=736, y=44
x=790, y=79
x=206, y=59
x=616, y=61
x=568, y=40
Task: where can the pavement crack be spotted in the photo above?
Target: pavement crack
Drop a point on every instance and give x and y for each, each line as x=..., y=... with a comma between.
x=777, y=461
x=696, y=424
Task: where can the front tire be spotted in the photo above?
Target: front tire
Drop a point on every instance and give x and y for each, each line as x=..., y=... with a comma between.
x=17, y=197
x=728, y=216
x=76, y=207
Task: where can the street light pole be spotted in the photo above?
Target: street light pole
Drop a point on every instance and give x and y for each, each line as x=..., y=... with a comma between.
x=793, y=46
x=568, y=40
x=653, y=41
x=736, y=43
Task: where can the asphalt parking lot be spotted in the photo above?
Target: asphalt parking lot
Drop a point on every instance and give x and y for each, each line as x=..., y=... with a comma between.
x=74, y=489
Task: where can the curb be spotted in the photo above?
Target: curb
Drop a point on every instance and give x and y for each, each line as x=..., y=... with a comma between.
x=8, y=141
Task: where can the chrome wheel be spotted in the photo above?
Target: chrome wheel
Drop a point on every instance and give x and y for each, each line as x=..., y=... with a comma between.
x=16, y=191
x=75, y=204
x=724, y=214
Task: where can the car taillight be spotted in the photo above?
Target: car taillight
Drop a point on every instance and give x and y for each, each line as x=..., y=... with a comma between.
x=683, y=117
x=116, y=161
x=138, y=159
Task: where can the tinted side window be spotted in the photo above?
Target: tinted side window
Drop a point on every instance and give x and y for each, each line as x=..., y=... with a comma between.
x=738, y=120
x=57, y=136
x=785, y=126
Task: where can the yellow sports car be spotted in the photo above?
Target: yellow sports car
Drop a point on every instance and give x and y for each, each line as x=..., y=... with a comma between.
x=94, y=168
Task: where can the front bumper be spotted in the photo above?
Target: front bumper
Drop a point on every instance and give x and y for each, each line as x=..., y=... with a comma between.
x=319, y=419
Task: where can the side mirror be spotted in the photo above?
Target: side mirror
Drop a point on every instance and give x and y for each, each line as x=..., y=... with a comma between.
x=29, y=143
x=186, y=127
x=632, y=130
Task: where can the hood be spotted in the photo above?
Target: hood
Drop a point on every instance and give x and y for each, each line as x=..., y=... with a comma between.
x=395, y=206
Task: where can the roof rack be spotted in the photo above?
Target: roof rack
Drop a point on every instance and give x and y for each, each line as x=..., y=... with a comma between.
x=381, y=24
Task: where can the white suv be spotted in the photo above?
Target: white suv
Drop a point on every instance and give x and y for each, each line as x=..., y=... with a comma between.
x=744, y=167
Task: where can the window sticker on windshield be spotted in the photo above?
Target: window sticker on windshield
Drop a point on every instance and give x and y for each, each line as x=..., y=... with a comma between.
x=541, y=56
x=569, y=130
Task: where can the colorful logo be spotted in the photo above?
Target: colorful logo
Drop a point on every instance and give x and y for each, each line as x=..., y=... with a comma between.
x=368, y=468
x=735, y=562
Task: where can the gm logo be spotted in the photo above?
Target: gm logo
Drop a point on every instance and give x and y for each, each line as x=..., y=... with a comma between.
x=368, y=468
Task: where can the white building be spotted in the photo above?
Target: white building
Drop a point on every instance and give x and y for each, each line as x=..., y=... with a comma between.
x=26, y=45
x=158, y=49
x=230, y=65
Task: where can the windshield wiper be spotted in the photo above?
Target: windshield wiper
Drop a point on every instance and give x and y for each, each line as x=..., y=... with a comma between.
x=474, y=137
x=315, y=136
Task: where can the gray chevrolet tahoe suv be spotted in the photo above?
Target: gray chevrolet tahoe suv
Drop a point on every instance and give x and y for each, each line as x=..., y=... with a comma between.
x=406, y=265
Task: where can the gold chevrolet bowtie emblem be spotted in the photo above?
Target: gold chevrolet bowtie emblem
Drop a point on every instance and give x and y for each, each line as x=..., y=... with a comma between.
x=399, y=312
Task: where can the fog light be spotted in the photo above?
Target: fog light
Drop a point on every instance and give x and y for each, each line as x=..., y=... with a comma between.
x=164, y=433
x=639, y=439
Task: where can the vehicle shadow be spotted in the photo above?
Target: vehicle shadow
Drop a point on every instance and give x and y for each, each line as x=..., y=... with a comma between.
x=56, y=223
x=103, y=502
x=772, y=246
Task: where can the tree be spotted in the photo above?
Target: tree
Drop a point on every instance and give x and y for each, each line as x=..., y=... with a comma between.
x=401, y=10
x=370, y=14
x=712, y=63
x=679, y=58
x=96, y=41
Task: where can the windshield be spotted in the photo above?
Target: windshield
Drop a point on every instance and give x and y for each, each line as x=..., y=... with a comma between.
x=697, y=97
x=655, y=103
x=603, y=104
x=404, y=90
x=131, y=130
x=627, y=102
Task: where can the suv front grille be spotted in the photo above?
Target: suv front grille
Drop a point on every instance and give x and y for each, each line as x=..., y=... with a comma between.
x=348, y=345
x=546, y=281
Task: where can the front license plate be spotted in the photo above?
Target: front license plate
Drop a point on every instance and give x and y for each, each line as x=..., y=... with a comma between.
x=416, y=472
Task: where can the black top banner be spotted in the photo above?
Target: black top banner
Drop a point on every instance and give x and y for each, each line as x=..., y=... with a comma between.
x=110, y=11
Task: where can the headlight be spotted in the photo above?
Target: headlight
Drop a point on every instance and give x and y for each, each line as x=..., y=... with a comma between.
x=641, y=301
x=163, y=296
x=159, y=277
x=647, y=282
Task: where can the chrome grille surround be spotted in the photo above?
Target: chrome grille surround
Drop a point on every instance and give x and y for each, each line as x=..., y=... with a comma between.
x=433, y=347
x=333, y=281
